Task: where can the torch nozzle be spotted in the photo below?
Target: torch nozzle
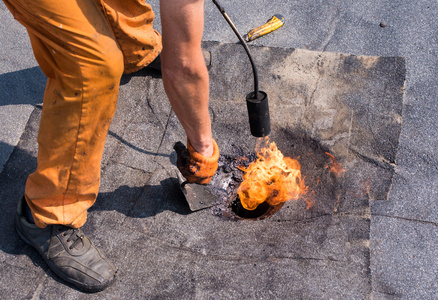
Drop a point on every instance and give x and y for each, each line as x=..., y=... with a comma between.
x=258, y=112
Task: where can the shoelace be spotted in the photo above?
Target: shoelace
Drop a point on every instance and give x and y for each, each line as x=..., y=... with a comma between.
x=74, y=235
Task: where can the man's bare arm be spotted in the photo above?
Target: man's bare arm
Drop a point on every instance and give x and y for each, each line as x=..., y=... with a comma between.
x=185, y=74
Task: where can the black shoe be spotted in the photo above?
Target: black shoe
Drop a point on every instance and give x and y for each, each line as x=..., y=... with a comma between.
x=68, y=252
x=156, y=63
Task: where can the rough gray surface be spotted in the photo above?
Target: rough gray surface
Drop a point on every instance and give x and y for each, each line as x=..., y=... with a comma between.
x=411, y=256
x=21, y=83
x=403, y=227
x=177, y=254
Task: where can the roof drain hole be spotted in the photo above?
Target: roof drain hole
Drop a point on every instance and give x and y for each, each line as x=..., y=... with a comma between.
x=262, y=211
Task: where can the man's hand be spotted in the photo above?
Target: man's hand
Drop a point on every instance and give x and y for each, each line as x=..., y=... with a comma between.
x=195, y=167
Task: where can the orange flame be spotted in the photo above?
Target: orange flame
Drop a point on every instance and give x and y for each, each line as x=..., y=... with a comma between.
x=334, y=166
x=272, y=178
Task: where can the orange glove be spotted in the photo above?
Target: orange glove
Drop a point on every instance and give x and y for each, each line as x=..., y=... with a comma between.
x=194, y=166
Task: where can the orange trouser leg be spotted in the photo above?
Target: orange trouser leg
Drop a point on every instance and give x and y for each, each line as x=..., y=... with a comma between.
x=77, y=50
x=131, y=21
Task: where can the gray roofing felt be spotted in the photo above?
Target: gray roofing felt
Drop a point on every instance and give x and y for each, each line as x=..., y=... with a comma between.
x=356, y=79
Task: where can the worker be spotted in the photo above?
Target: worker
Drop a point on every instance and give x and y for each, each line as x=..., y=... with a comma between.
x=84, y=47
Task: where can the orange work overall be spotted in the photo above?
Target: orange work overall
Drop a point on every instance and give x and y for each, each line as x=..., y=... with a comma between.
x=83, y=47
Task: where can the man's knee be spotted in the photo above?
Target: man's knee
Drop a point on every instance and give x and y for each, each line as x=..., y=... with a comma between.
x=111, y=65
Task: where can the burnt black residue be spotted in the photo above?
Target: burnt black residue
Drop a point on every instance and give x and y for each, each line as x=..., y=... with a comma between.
x=227, y=180
x=225, y=184
x=324, y=187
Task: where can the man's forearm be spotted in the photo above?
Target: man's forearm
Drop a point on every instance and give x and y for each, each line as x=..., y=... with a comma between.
x=185, y=75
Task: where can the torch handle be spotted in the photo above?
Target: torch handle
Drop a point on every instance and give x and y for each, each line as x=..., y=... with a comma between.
x=245, y=46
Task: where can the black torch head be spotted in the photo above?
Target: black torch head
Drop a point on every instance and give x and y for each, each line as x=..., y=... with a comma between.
x=258, y=112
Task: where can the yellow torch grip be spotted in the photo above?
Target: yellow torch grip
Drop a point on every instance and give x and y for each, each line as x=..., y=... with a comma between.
x=273, y=24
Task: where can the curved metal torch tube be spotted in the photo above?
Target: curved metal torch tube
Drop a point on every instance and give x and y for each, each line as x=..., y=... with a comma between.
x=245, y=46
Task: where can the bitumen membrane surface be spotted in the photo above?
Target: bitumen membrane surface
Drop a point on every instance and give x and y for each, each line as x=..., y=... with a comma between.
x=339, y=83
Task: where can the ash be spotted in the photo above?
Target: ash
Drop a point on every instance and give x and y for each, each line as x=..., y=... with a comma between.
x=226, y=181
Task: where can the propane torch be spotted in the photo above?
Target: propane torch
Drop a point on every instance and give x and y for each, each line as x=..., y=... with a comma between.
x=256, y=101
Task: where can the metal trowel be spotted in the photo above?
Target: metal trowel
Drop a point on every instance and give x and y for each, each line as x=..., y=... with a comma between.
x=198, y=196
